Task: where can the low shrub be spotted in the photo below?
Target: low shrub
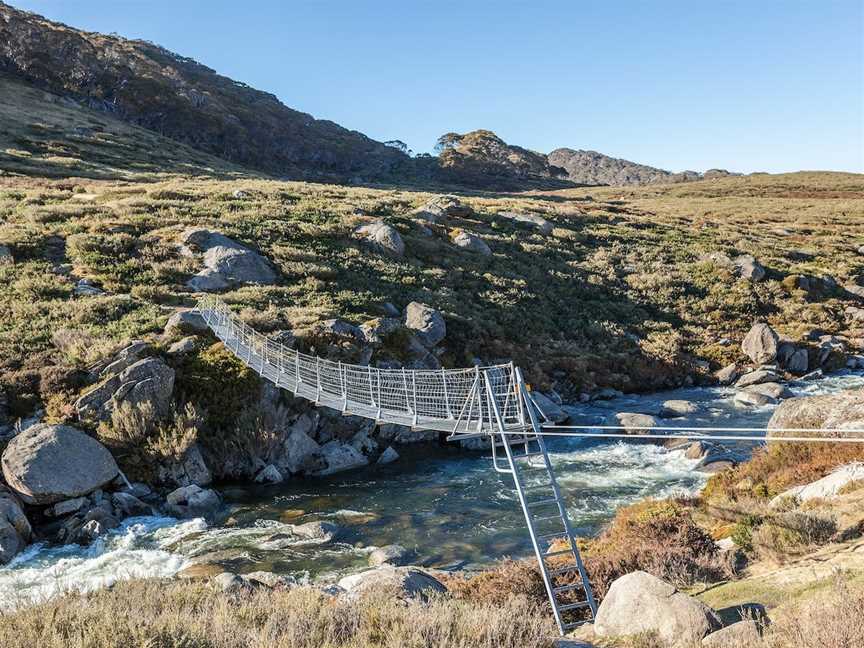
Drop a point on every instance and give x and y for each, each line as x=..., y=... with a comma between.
x=791, y=533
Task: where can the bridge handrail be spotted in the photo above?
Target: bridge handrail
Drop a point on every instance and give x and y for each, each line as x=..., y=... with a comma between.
x=435, y=397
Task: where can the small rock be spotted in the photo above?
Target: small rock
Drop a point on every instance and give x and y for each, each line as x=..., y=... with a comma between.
x=339, y=456
x=754, y=399
x=86, y=288
x=633, y=423
x=129, y=506
x=727, y=374
x=271, y=580
x=471, y=242
x=388, y=456
x=529, y=221
x=395, y=555
x=67, y=507
x=317, y=531
x=744, y=634
x=382, y=237
x=269, y=475
x=749, y=268
x=409, y=582
x=426, y=322
x=229, y=583
x=441, y=208
x=756, y=377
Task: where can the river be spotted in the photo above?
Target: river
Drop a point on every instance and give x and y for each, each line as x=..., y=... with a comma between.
x=445, y=504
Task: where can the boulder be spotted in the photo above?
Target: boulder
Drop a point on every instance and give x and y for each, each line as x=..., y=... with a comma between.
x=67, y=507
x=230, y=583
x=187, y=345
x=772, y=390
x=756, y=377
x=86, y=288
x=744, y=634
x=339, y=328
x=186, y=322
x=125, y=358
x=269, y=474
x=407, y=582
x=375, y=331
x=146, y=381
x=382, y=237
x=192, y=501
x=189, y=468
x=15, y=531
x=340, y=456
x=632, y=423
x=226, y=262
x=317, y=531
x=403, y=434
x=51, y=463
x=760, y=344
x=471, y=243
x=271, y=580
x=826, y=411
x=754, y=399
x=441, y=208
x=300, y=452
x=797, y=363
x=127, y=505
x=749, y=268
x=395, y=555
x=678, y=409
x=528, y=221
x=549, y=408
x=641, y=603
x=426, y=323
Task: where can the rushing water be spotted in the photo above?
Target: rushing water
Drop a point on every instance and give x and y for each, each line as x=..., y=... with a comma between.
x=445, y=504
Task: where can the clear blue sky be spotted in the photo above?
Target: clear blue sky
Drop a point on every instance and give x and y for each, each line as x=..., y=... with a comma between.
x=759, y=85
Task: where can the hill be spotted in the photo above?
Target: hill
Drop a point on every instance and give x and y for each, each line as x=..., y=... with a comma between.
x=591, y=167
x=148, y=86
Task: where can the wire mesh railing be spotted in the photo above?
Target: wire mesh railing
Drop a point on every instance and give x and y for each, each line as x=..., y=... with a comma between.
x=454, y=400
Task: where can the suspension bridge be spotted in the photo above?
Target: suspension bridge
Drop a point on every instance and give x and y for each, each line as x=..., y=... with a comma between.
x=492, y=402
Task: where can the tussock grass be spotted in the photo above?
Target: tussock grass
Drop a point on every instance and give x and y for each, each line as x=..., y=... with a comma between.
x=172, y=614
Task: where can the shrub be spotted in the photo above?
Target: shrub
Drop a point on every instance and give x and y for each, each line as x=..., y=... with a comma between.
x=499, y=584
x=790, y=533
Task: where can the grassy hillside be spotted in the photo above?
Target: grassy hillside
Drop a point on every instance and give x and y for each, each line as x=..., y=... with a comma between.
x=616, y=295
x=43, y=135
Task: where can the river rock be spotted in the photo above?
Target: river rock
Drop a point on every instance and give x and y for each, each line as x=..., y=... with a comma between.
x=67, y=507
x=825, y=411
x=382, y=237
x=727, y=374
x=318, y=531
x=754, y=399
x=227, y=263
x=270, y=580
x=471, y=243
x=744, y=634
x=340, y=456
x=395, y=555
x=403, y=434
x=192, y=501
x=549, y=408
x=127, y=505
x=50, y=463
x=426, y=323
x=773, y=390
x=528, y=221
x=756, y=377
x=632, y=423
x=760, y=344
x=641, y=603
x=408, y=582
x=269, y=474
x=678, y=408
x=189, y=468
x=146, y=381
x=388, y=456
x=300, y=452
x=441, y=208
x=15, y=531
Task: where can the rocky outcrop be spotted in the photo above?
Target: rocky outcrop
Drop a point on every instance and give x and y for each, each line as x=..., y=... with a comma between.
x=226, y=262
x=826, y=411
x=528, y=221
x=441, y=209
x=642, y=603
x=382, y=238
x=827, y=487
x=50, y=463
x=15, y=531
x=338, y=456
x=146, y=381
x=593, y=168
x=407, y=582
x=760, y=344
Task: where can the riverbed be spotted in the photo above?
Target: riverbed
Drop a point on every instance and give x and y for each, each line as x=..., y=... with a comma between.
x=443, y=503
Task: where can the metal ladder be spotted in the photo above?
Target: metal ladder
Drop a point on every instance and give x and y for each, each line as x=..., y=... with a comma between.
x=545, y=512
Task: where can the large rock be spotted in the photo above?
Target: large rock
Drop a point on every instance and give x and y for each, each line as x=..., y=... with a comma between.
x=641, y=603
x=823, y=412
x=146, y=381
x=189, y=468
x=549, y=407
x=50, y=463
x=395, y=555
x=192, y=501
x=757, y=377
x=760, y=344
x=426, y=322
x=15, y=531
x=632, y=423
x=186, y=322
x=471, y=242
x=441, y=208
x=226, y=262
x=301, y=453
x=827, y=487
x=744, y=634
x=382, y=237
x=339, y=456
x=749, y=268
x=678, y=408
x=407, y=582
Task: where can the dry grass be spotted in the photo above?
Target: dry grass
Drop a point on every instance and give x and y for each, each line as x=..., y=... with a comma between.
x=166, y=614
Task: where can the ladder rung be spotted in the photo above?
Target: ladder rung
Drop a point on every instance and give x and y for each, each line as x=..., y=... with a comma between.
x=563, y=570
x=575, y=624
x=549, y=536
x=572, y=606
x=552, y=500
x=549, y=517
x=528, y=455
x=568, y=588
x=557, y=553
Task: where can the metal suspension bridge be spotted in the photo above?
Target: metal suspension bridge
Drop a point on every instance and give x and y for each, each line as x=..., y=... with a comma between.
x=492, y=402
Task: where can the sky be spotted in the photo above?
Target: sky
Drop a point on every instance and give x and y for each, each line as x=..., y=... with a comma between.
x=765, y=85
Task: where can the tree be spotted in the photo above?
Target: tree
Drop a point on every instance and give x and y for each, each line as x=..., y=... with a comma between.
x=447, y=141
x=399, y=145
